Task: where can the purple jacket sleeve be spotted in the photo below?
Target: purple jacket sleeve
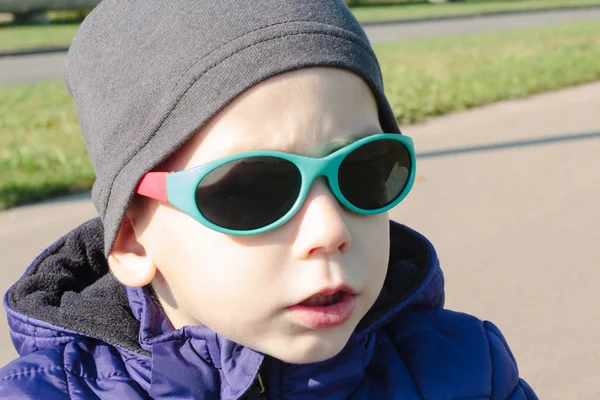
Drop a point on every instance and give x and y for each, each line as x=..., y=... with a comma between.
x=455, y=355
x=39, y=375
x=78, y=370
x=505, y=370
x=523, y=392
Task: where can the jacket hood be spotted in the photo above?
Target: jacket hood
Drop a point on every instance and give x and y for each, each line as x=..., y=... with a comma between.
x=68, y=293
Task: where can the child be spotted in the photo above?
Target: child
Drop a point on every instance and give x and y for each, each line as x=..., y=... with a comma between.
x=246, y=158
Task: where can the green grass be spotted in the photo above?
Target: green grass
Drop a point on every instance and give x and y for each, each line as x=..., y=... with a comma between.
x=16, y=37
x=397, y=12
x=435, y=76
x=42, y=153
x=41, y=150
x=65, y=23
x=59, y=33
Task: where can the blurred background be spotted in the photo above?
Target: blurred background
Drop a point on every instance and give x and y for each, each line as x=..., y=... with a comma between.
x=502, y=99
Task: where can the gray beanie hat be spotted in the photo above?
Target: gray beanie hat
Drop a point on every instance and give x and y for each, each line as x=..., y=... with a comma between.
x=146, y=75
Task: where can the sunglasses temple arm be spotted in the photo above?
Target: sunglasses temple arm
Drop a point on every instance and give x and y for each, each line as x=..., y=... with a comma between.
x=154, y=185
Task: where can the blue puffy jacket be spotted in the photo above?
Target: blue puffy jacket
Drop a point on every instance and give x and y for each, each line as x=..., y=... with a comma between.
x=83, y=335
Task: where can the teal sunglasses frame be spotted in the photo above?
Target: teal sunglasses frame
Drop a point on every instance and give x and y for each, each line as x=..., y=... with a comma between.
x=179, y=188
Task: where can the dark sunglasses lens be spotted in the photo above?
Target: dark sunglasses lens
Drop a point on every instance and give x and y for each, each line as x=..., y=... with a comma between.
x=249, y=193
x=375, y=174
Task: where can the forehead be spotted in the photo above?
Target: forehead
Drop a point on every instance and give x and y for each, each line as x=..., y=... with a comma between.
x=311, y=112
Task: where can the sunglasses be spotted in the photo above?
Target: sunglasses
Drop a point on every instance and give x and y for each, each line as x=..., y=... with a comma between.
x=254, y=192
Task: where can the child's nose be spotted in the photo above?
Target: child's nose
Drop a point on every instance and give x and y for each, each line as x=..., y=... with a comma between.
x=322, y=228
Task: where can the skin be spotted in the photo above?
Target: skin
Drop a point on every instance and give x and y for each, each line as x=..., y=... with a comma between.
x=240, y=286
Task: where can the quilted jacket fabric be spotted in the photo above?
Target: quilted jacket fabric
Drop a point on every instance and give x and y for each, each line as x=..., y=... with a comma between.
x=82, y=335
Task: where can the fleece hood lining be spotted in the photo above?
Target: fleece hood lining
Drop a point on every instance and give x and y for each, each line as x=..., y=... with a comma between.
x=69, y=286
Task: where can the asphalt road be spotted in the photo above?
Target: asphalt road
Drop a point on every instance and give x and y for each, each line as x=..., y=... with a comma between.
x=510, y=196
x=47, y=66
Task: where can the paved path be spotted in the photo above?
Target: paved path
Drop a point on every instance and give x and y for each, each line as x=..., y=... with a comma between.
x=47, y=66
x=509, y=194
x=31, y=68
x=469, y=26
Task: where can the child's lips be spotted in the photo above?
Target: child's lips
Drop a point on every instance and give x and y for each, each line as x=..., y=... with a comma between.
x=325, y=316
x=323, y=299
x=329, y=292
x=327, y=308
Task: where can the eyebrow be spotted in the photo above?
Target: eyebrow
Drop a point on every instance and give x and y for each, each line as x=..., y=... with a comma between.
x=331, y=147
x=340, y=142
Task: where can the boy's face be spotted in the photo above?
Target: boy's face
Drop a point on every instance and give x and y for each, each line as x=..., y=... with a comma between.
x=241, y=287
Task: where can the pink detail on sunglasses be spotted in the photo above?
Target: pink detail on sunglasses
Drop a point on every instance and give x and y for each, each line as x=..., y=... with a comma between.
x=154, y=185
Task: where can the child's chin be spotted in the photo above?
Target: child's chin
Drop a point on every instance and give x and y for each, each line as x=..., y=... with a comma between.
x=312, y=349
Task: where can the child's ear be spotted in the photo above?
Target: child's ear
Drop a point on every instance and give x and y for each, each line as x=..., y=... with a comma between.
x=128, y=259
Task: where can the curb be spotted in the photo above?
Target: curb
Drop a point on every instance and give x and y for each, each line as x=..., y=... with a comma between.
x=483, y=14
x=34, y=51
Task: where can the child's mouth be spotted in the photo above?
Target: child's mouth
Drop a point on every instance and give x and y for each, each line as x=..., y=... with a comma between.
x=323, y=311
x=321, y=300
